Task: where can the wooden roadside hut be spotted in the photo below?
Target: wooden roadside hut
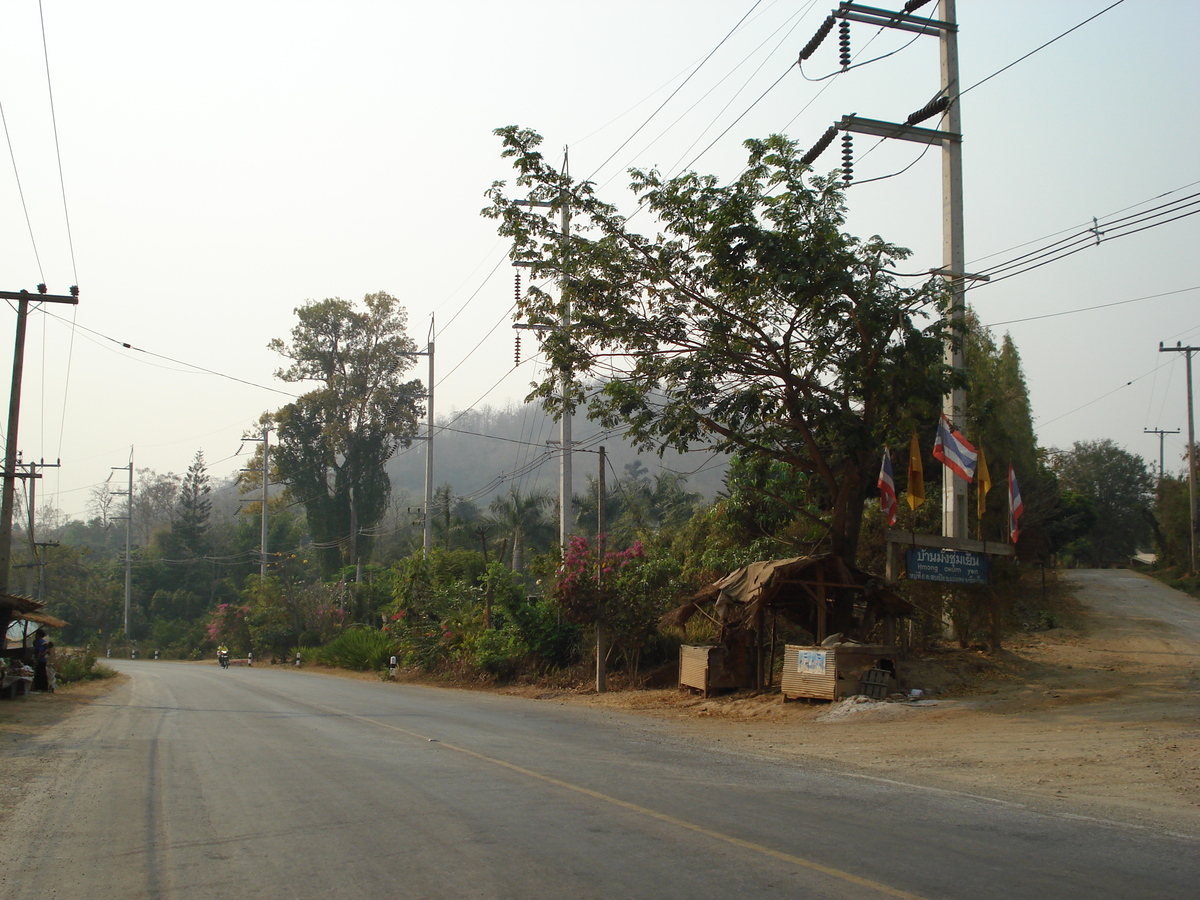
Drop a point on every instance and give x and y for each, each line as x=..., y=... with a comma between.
x=824, y=595
x=28, y=612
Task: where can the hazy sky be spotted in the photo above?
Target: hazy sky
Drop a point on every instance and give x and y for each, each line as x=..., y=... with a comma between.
x=224, y=162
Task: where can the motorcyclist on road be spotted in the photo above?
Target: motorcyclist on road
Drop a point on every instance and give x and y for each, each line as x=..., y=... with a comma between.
x=223, y=656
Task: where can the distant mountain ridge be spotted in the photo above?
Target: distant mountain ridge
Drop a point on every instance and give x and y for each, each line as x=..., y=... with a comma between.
x=484, y=453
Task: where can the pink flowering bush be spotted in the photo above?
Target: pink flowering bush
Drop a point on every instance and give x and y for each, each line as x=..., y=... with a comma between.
x=586, y=584
x=228, y=625
x=627, y=590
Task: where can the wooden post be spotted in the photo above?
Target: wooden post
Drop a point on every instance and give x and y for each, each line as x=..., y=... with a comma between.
x=822, y=614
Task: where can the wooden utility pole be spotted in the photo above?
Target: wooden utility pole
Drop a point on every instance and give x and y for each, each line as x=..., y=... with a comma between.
x=23, y=299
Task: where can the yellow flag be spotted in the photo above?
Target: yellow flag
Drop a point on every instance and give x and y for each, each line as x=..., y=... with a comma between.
x=983, y=482
x=916, y=474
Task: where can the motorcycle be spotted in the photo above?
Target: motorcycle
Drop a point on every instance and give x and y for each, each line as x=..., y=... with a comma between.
x=223, y=658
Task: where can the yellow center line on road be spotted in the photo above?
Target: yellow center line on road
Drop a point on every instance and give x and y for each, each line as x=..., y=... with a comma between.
x=800, y=861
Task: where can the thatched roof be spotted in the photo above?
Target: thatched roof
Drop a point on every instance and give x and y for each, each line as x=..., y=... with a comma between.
x=13, y=607
x=792, y=587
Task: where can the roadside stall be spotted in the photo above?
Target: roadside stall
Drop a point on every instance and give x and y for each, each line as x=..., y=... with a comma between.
x=823, y=595
x=20, y=617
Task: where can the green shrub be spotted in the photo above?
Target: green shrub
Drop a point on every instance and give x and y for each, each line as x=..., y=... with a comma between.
x=423, y=647
x=79, y=667
x=499, y=652
x=361, y=649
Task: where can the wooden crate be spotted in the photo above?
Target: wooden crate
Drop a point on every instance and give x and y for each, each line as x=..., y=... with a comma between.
x=706, y=667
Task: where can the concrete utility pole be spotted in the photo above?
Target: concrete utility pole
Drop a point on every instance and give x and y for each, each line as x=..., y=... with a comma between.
x=1191, y=453
x=1160, y=434
x=128, y=537
x=34, y=543
x=266, y=482
x=427, y=522
x=23, y=299
x=427, y=513
x=266, y=475
x=954, y=404
x=601, y=643
x=566, y=493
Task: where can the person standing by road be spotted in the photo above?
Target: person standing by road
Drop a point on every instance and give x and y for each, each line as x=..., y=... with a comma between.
x=41, y=656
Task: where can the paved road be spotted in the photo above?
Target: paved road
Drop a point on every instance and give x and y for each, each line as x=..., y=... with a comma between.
x=1130, y=600
x=189, y=781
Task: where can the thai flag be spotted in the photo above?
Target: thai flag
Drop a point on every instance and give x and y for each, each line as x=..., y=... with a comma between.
x=1015, y=506
x=887, y=489
x=954, y=450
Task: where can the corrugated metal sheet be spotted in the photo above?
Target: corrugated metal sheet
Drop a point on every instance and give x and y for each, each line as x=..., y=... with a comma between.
x=693, y=666
x=808, y=684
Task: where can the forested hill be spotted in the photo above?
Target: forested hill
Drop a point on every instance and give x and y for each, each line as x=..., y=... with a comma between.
x=485, y=453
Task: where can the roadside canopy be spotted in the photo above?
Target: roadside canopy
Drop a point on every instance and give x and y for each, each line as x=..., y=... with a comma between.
x=42, y=619
x=802, y=589
x=15, y=609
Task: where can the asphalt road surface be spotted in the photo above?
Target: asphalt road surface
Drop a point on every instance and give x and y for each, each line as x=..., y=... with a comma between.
x=1136, y=600
x=189, y=781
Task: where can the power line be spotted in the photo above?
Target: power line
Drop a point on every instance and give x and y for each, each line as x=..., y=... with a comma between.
x=1068, y=312
x=699, y=66
x=127, y=346
x=1042, y=47
x=21, y=191
x=738, y=93
x=1084, y=225
x=57, y=148
x=1099, y=233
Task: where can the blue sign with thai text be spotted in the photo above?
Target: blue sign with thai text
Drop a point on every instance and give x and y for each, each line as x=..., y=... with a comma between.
x=953, y=566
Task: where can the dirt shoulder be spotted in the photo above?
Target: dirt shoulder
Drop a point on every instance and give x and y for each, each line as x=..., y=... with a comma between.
x=24, y=719
x=1100, y=717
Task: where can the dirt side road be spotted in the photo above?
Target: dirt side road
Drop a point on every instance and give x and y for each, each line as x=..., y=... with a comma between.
x=1101, y=718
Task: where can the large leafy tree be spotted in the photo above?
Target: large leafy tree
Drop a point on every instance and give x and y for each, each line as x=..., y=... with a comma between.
x=334, y=440
x=749, y=320
x=1119, y=489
